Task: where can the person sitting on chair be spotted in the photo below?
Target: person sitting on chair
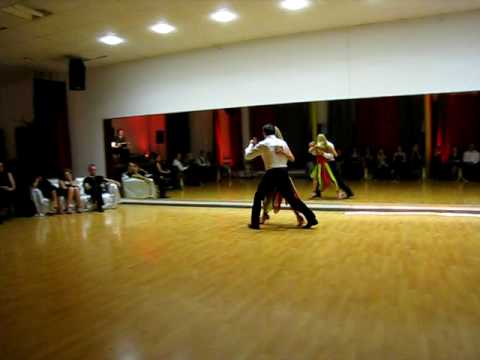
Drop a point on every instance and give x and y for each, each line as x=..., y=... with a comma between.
x=70, y=190
x=49, y=191
x=179, y=170
x=471, y=163
x=455, y=164
x=382, y=165
x=399, y=163
x=161, y=176
x=95, y=185
x=7, y=189
x=416, y=163
x=204, y=166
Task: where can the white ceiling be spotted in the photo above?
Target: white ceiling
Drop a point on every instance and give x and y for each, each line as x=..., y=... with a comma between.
x=76, y=24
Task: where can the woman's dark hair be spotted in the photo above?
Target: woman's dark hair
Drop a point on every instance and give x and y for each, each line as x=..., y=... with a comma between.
x=269, y=129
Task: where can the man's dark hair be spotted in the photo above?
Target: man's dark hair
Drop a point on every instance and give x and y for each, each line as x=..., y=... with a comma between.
x=269, y=129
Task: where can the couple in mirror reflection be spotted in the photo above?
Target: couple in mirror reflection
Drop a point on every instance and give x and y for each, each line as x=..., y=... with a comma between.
x=277, y=185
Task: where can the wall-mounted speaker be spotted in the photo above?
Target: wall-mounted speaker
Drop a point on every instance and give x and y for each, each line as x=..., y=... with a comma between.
x=76, y=74
x=160, y=137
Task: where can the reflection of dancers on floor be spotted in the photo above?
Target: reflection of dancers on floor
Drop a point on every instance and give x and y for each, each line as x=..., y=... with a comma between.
x=273, y=200
x=325, y=171
x=275, y=153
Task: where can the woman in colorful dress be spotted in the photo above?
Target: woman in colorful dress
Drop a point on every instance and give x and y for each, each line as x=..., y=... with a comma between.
x=273, y=201
x=322, y=175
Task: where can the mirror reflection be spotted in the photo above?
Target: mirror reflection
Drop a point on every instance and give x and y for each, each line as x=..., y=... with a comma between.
x=419, y=149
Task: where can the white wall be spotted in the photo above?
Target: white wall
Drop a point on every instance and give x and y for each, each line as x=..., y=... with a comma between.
x=438, y=54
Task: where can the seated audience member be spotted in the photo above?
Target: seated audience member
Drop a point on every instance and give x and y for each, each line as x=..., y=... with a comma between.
x=369, y=163
x=399, y=164
x=49, y=191
x=192, y=174
x=455, y=165
x=178, y=171
x=204, y=166
x=354, y=166
x=471, y=163
x=161, y=176
x=436, y=169
x=70, y=190
x=416, y=163
x=7, y=190
x=95, y=185
x=383, y=169
x=134, y=171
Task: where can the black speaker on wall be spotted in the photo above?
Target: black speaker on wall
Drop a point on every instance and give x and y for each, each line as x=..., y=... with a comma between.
x=76, y=72
x=160, y=136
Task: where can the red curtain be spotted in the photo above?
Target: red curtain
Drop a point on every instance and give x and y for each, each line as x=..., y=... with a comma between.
x=377, y=123
x=457, y=122
x=228, y=137
x=141, y=130
x=259, y=116
x=222, y=138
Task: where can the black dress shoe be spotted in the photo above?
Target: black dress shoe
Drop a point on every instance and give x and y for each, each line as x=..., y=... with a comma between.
x=254, y=227
x=310, y=223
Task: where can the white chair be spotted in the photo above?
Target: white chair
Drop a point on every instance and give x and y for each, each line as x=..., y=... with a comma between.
x=44, y=206
x=134, y=188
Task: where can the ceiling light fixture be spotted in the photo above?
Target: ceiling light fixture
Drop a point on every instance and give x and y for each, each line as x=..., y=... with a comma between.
x=223, y=15
x=294, y=5
x=111, y=39
x=163, y=28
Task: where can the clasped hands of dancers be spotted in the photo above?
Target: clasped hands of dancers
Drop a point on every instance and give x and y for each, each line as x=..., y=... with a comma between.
x=276, y=184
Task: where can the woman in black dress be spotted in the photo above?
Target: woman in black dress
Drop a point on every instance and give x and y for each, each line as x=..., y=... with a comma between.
x=49, y=191
x=7, y=190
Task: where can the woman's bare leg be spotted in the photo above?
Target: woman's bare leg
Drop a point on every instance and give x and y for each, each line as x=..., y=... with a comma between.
x=314, y=188
x=56, y=202
x=69, y=199
x=78, y=199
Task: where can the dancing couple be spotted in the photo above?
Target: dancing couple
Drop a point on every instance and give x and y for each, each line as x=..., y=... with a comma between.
x=275, y=184
x=325, y=171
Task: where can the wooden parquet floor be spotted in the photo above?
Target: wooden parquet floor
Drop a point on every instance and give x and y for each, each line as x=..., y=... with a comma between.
x=151, y=282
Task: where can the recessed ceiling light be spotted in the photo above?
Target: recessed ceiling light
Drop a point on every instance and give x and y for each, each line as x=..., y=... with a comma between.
x=111, y=39
x=223, y=15
x=294, y=4
x=162, y=28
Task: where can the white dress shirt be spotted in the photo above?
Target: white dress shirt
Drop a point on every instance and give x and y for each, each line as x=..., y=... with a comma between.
x=471, y=157
x=267, y=150
x=179, y=165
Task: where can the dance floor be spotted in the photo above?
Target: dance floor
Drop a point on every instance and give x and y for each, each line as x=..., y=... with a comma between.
x=153, y=282
x=366, y=192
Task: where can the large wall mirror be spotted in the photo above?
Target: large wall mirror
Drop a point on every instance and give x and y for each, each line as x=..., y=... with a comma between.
x=407, y=149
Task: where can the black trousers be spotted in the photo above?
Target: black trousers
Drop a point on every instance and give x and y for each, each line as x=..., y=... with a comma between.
x=96, y=193
x=341, y=184
x=277, y=179
x=161, y=182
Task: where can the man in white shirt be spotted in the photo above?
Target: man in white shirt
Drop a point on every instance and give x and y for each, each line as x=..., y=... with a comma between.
x=275, y=154
x=471, y=163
